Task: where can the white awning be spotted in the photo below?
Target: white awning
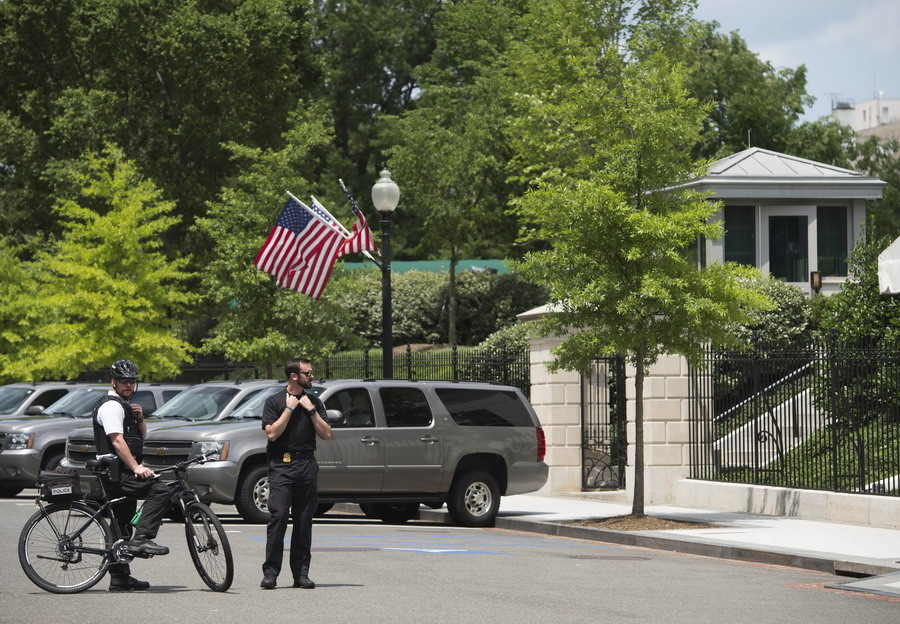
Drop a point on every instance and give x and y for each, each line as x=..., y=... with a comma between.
x=889, y=269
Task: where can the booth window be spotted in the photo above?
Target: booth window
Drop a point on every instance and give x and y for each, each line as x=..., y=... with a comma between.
x=831, y=222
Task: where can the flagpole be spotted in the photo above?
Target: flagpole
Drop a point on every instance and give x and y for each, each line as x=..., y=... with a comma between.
x=312, y=212
x=353, y=203
x=346, y=233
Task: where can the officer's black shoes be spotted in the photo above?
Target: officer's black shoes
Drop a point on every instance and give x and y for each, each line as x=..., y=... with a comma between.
x=269, y=582
x=127, y=584
x=303, y=582
x=146, y=546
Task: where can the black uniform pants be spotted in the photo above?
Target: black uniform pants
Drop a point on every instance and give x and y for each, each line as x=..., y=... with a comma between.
x=157, y=495
x=293, y=491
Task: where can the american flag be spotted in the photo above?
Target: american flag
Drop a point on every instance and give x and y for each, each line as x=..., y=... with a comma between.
x=361, y=237
x=301, y=249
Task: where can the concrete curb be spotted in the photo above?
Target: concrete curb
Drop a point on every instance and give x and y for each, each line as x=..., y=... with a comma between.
x=820, y=562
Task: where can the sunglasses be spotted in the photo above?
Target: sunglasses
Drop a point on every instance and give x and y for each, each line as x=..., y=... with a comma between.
x=307, y=373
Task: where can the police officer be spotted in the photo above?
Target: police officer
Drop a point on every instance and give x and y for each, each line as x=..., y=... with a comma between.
x=119, y=432
x=292, y=419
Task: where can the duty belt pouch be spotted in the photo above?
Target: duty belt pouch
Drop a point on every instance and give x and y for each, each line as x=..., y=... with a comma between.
x=59, y=486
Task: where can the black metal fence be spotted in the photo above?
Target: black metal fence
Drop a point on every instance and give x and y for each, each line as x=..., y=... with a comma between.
x=824, y=418
x=604, y=442
x=510, y=366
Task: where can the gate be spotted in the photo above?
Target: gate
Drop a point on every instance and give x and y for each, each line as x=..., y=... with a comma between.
x=604, y=444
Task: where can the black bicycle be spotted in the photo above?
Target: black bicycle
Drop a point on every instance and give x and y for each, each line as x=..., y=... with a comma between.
x=67, y=547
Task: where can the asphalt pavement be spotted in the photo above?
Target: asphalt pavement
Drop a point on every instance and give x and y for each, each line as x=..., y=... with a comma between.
x=868, y=556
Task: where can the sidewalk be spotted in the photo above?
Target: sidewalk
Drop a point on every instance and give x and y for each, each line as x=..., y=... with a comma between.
x=843, y=549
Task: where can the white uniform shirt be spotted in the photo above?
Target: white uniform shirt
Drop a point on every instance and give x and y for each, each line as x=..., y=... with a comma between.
x=111, y=417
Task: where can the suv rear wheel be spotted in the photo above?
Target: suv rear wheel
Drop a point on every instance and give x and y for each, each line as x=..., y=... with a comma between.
x=474, y=499
x=253, y=495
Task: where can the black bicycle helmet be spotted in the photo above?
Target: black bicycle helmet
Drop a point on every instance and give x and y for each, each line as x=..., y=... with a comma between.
x=124, y=369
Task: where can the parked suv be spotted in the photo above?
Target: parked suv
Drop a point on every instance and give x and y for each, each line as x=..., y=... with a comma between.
x=30, y=444
x=31, y=398
x=210, y=401
x=395, y=445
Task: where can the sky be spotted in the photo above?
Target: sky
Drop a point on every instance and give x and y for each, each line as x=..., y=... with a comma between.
x=851, y=48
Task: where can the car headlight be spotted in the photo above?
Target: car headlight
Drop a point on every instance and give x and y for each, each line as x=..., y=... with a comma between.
x=212, y=448
x=19, y=441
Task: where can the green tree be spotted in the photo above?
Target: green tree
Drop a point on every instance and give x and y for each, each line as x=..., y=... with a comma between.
x=16, y=318
x=448, y=153
x=104, y=291
x=752, y=103
x=168, y=81
x=621, y=130
x=254, y=320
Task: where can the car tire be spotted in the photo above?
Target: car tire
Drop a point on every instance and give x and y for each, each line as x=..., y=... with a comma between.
x=391, y=513
x=53, y=461
x=9, y=492
x=253, y=495
x=323, y=509
x=474, y=499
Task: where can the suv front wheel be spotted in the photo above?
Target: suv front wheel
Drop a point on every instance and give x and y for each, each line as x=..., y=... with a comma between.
x=474, y=499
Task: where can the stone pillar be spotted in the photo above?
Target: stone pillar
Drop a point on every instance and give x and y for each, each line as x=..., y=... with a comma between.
x=666, y=429
x=557, y=400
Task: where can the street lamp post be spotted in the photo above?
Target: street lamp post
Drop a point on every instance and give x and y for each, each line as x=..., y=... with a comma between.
x=386, y=196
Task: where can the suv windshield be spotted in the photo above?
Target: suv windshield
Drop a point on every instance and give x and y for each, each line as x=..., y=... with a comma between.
x=12, y=398
x=197, y=403
x=253, y=407
x=77, y=404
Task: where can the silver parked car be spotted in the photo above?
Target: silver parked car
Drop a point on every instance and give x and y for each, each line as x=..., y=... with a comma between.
x=19, y=399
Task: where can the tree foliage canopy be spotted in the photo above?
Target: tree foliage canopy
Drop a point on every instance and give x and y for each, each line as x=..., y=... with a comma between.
x=106, y=291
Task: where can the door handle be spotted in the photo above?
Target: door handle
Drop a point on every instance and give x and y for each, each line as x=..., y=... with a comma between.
x=429, y=439
x=370, y=440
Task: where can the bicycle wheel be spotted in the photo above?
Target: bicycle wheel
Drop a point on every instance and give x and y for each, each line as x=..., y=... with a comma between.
x=63, y=550
x=209, y=547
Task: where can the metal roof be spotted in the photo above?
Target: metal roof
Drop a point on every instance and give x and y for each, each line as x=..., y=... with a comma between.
x=758, y=173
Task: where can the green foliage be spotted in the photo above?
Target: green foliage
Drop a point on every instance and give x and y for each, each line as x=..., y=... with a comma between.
x=752, y=103
x=488, y=301
x=255, y=321
x=104, y=291
x=168, y=81
x=786, y=325
x=859, y=311
x=633, y=293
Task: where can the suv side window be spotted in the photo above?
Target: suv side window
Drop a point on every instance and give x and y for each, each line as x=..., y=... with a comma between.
x=484, y=408
x=355, y=405
x=50, y=396
x=146, y=400
x=405, y=407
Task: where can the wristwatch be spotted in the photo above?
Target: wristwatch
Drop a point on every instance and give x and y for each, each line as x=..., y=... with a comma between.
x=311, y=412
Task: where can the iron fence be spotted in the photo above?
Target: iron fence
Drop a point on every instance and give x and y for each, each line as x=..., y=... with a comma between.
x=826, y=417
x=604, y=442
x=509, y=366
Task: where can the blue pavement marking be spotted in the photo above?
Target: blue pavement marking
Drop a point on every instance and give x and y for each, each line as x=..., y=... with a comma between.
x=434, y=543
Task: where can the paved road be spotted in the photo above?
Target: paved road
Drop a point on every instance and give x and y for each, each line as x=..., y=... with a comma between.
x=370, y=572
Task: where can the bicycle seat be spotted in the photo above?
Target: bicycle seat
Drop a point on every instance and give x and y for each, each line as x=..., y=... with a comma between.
x=98, y=465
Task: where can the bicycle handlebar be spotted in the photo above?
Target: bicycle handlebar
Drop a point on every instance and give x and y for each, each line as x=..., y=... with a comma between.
x=200, y=459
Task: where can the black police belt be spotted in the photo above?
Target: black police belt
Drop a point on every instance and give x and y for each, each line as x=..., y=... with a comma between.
x=286, y=457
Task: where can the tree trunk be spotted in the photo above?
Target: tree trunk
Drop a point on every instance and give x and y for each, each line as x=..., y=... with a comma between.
x=637, y=505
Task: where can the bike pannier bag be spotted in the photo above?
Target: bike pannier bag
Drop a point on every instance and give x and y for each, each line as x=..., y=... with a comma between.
x=59, y=487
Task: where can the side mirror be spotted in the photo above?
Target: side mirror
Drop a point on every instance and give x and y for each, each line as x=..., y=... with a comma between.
x=34, y=410
x=334, y=417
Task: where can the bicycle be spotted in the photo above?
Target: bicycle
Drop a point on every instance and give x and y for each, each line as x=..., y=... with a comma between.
x=67, y=547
